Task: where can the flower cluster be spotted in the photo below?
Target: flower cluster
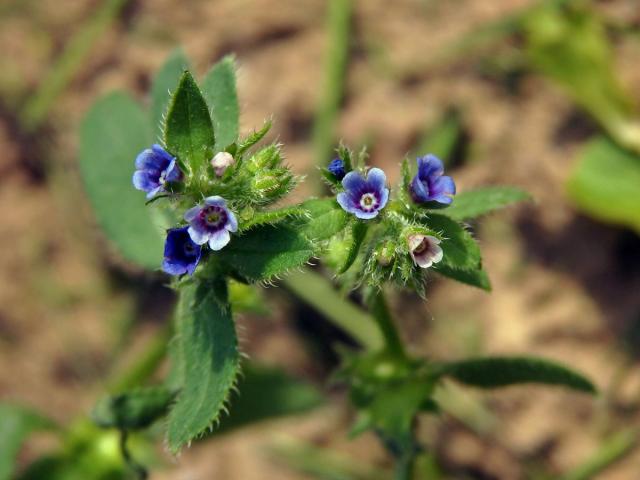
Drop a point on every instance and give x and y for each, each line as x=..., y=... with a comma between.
x=365, y=195
x=208, y=223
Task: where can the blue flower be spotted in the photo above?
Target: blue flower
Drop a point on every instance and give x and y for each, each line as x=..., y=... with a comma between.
x=154, y=168
x=364, y=197
x=181, y=254
x=430, y=185
x=211, y=223
x=336, y=167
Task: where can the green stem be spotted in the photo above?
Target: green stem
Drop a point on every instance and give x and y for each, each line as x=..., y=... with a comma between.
x=138, y=469
x=339, y=24
x=382, y=315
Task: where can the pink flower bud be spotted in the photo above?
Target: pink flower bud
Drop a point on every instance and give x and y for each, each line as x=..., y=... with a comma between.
x=221, y=161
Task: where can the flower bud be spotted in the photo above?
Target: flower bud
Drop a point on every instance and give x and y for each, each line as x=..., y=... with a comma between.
x=266, y=158
x=221, y=161
x=273, y=184
x=424, y=249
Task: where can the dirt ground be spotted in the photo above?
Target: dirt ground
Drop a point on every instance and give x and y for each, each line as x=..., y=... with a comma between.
x=565, y=287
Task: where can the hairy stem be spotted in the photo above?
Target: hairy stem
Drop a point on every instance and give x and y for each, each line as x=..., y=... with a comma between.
x=382, y=315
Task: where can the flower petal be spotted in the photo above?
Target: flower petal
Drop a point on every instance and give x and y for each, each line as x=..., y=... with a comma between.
x=218, y=240
x=384, y=196
x=346, y=202
x=353, y=182
x=429, y=165
x=174, y=268
x=173, y=172
x=376, y=179
x=232, y=222
x=143, y=181
x=361, y=214
x=418, y=190
x=198, y=236
x=192, y=213
x=216, y=201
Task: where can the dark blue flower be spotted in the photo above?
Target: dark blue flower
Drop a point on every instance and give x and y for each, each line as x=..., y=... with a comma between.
x=211, y=223
x=181, y=254
x=430, y=185
x=336, y=167
x=364, y=197
x=154, y=168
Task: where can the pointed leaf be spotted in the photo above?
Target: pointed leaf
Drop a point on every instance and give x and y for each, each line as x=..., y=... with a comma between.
x=112, y=134
x=493, y=372
x=208, y=348
x=326, y=218
x=460, y=249
x=219, y=89
x=164, y=83
x=266, y=251
x=476, y=278
x=189, y=132
x=474, y=203
x=358, y=232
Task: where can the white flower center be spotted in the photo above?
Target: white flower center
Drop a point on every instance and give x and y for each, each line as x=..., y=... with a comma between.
x=368, y=202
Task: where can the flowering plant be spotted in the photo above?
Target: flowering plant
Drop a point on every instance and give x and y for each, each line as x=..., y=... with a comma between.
x=215, y=200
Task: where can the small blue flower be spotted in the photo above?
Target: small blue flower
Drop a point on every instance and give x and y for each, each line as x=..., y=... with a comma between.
x=211, y=223
x=336, y=167
x=181, y=254
x=430, y=185
x=154, y=168
x=364, y=197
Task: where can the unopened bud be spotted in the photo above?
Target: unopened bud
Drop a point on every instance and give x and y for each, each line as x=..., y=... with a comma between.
x=221, y=161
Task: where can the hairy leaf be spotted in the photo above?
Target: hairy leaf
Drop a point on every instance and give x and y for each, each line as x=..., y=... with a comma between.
x=208, y=348
x=358, y=232
x=133, y=410
x=164, y=83
x=606, y=183
x=112, y=134
x=472, y=204
x=266, y=251
x=188, y=131
x=477, y=278
x=16, y=423
x=460, y=249
x=219, y=89
x=326, y=218
x=255, y=136
x=492, y=372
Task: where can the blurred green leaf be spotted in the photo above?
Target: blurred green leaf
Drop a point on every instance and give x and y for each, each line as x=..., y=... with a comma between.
x=188, y=131
x=266, y=251
x=219, y=89
x=210, y=360
x=605, y=183
x=134, y=409
x=477, y=278
x=16, y=424
x=441, y=139
x=474, y=203
x=460, y=249
x=493, y=372
x=112, y=134
x=247, y=298
x=164, y=83
x=568, y=43
x=265, y=393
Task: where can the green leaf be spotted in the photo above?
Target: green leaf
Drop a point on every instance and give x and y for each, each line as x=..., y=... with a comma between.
x=208, y=348
x=476, y=278
x=606, y=183
x=326, y=218
x=492, y=372
x=358, y=232
x=255, y=136
x=265, y=393
x=219, y=89
x=164, y=83
x=112, y=134
x=133, y=410
x=17, y=424
x=266, y=251
x=474, y=203
x=460, y=250
x=442, y=138
x=188, y=131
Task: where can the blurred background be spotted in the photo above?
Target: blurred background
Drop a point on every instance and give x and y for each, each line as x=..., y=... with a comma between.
x=538, y=94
